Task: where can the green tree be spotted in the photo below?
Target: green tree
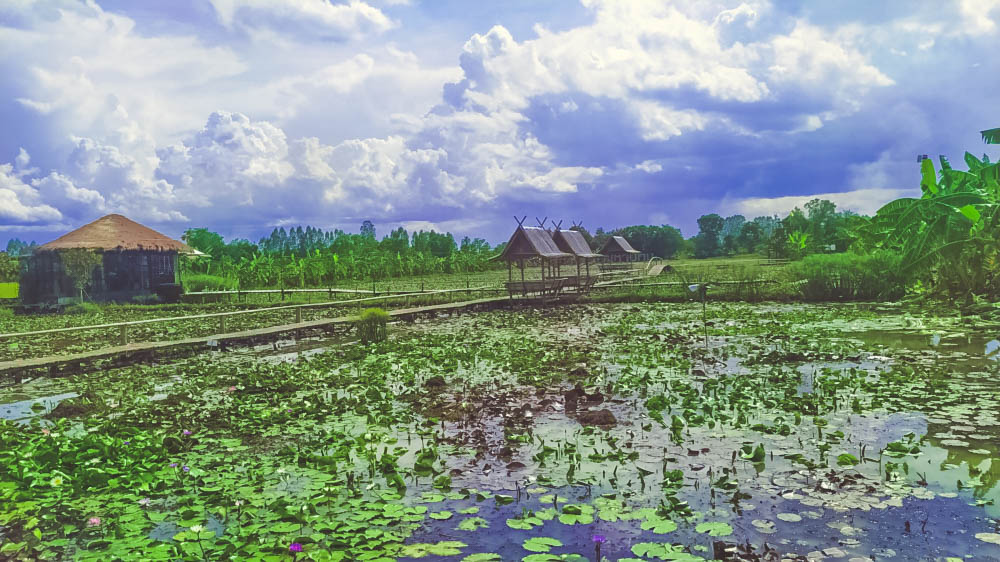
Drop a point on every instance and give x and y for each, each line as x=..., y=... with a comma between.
x=204, y=240
x=707, y=243
x=368, y=229
x=823, y=221
x=10, y=269
x=79, y=265
x=750, y=237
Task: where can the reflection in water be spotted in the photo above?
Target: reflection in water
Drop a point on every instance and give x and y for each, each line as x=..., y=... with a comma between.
x=23, y=410
x=973, y=345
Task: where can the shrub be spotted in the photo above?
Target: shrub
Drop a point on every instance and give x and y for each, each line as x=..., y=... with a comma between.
x=146, y=299
x=82, y=308
x=197, y=282
x=373, y=325
x=849, y=276
x=6, y=313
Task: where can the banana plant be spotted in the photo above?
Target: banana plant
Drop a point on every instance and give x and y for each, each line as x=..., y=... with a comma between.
x=952, y=227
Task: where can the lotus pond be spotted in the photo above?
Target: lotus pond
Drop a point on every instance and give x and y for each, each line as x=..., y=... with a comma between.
x=617, y=431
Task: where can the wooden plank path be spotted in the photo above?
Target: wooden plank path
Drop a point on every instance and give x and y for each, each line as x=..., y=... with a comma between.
x=227, y=314
x=622, y=281
x=149, y=348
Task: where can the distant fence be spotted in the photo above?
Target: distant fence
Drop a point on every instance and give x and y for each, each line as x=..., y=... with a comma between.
x=241, y=295
x=222, y=316
x=9, y=290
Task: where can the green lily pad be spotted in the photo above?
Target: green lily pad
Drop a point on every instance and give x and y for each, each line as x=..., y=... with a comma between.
x=541, y=544
x=443, y=548
x=992, y=538
x=715, y=528
x=659, y=525
x=472, y=524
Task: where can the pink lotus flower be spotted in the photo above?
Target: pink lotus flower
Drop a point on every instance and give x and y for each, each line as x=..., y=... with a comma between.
x=46, y=431
x=94, y=522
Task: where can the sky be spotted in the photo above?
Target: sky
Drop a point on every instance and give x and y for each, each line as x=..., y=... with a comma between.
x=243, y=115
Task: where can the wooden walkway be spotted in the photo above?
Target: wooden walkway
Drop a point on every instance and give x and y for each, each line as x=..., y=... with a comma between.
x=146, y=350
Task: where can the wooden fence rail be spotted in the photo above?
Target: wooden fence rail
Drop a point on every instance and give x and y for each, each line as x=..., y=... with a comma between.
x=123, y=326
x=134, y=352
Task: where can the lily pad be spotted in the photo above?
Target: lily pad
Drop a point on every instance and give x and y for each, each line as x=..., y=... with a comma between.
x=541, y=544
x=992, y=538
x=659, y=525
x=715, y=528
x=472, y=524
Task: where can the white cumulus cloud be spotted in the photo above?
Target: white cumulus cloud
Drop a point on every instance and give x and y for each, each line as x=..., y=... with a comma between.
x=317, y=18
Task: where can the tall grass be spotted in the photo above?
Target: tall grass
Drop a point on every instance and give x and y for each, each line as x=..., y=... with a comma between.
x=850, y=277
x=373, y=325
x=82, y=307
x=197, y=282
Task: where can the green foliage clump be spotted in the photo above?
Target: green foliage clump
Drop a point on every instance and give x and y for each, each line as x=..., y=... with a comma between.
x=197, y=282
x=950, y=236
x=82, y=308
x=850, y=277
x=373, y=325
x=146, y=299
x=79, y=265
x=10, y=269
x=6, y=313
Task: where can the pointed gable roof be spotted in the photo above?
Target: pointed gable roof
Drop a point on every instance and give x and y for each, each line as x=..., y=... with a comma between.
x=573, y=242
x=115, y=232
x=618, y=245
x=530, y=242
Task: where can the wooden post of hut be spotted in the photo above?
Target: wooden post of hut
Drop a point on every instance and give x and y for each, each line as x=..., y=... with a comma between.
x=573, y=243
x=528, y=243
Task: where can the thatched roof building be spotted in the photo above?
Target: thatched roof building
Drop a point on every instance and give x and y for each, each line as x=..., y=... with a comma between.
x=130, y=260
x=531, y=242
x=617, y=248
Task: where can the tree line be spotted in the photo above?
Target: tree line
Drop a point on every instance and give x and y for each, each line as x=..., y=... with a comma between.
x=947, y=240
x=310, y=256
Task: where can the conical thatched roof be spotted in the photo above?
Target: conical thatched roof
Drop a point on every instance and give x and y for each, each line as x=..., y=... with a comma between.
x=115, y=232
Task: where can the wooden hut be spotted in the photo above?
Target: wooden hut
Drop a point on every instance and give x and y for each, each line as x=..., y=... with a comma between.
x=617, y=249
x=532, y=243
x=572, y=242
x=132, y=260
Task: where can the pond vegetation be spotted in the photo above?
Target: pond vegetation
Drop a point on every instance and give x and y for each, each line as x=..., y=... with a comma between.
x=610, y=430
